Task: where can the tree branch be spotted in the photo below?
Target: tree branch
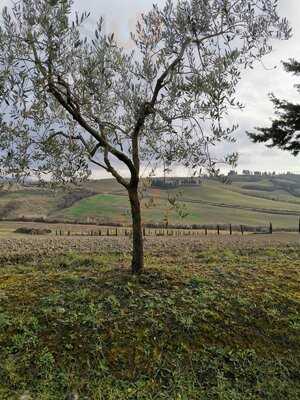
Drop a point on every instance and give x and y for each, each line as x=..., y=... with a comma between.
x=113, y=171
x=99, y=164
x=75, y=113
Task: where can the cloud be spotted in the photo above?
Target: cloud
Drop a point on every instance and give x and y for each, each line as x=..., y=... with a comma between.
x=120, y=16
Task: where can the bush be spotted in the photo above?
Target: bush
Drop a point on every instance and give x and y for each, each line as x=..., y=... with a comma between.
x=33, y=231
x=73, y=197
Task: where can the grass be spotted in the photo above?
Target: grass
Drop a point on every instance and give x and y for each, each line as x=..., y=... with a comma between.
x=208, y=324
x=116, y=208
x=103, y=206
x=205, y=204
x=231, y=194
x=113, y=207
x=31, y=203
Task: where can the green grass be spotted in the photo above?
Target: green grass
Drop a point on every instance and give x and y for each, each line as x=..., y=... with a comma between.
x=116, y=208
x=209, y=325
x=103, y=206
x=211, y=203
x=227, y=194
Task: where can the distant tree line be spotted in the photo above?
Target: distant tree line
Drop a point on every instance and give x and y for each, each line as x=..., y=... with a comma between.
x=259, y=173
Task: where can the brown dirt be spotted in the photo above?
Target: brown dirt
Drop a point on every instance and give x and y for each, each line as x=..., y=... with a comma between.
x=26, y=248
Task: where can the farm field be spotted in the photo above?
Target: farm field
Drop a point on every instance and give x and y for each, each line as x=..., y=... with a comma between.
x=244, y=201
x=8, y=228
x=34, y=247
x=116, y=208
x=210, y=318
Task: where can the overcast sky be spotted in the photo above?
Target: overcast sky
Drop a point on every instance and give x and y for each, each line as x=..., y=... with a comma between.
x=120, y=17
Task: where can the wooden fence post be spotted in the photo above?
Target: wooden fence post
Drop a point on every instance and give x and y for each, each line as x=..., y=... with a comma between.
x=271, y=228
x=230, y=229
x=242, y=229
x=205, y=231
x=218, y=229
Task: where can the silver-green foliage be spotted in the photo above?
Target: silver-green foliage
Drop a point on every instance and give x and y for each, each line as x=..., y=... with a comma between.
x=68, y=100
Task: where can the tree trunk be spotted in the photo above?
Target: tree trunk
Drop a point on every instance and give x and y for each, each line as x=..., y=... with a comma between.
x=137, y=264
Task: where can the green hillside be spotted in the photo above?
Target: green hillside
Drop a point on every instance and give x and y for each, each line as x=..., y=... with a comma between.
x=249, y=200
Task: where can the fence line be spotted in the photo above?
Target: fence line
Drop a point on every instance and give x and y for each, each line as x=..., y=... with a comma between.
x=175, y=232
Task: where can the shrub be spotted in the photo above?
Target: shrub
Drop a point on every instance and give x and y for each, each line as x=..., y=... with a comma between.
x=33, y=231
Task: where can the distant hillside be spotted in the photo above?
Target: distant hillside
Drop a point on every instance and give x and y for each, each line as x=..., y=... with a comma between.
x=249, y=200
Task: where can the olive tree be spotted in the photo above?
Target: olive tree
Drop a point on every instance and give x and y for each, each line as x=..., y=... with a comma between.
x=70, y=99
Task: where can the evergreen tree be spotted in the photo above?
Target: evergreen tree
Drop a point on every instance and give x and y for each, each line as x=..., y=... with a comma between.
x=285, y=130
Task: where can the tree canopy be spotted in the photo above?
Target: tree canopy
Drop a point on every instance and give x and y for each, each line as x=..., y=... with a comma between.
x=72, y=98
x=284, y=132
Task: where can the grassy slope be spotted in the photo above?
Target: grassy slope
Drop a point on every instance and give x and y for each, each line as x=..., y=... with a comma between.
x=105, y=206
x=30, y=203
x=280, y=185
x=206, y=325
x=115, y=207
x=219, y=193
x=111, y=205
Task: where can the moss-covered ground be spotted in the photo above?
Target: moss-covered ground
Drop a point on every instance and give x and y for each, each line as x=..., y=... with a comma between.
x=204, y=324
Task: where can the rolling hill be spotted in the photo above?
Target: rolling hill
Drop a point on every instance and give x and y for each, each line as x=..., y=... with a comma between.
x=249, y=200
